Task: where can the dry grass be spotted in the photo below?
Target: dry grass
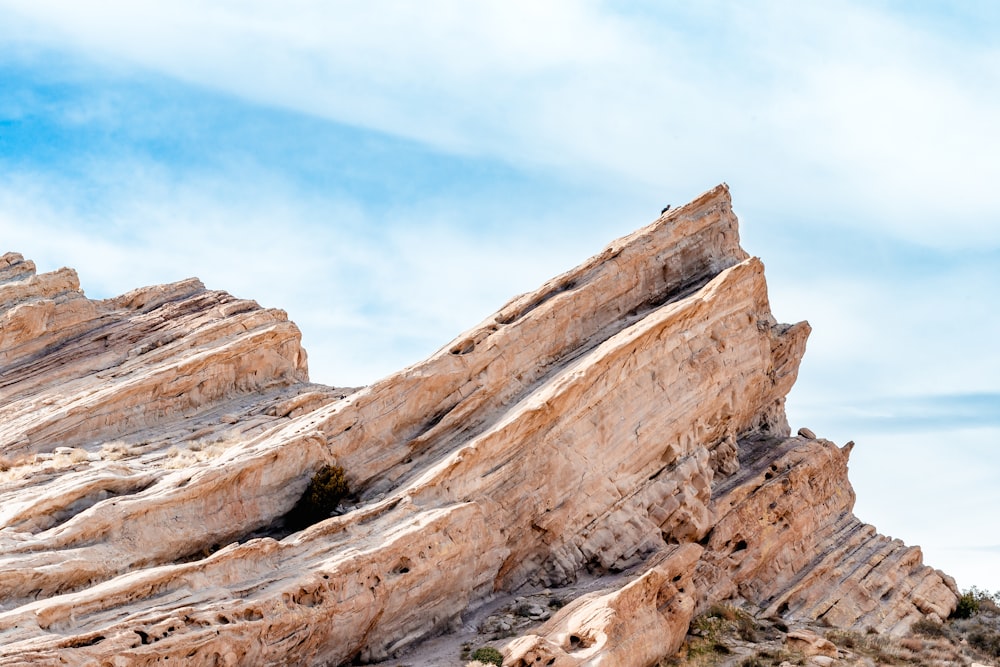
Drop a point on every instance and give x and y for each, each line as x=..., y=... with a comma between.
x=728, y=636
x=766, y=657
x=711, y=634
x=118, y=450
x=20, y=466
x=15, y=467
x=199, y=450
x=69, y=456
x=883, y=649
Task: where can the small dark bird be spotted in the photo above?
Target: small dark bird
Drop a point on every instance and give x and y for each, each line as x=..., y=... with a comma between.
x=665, y=209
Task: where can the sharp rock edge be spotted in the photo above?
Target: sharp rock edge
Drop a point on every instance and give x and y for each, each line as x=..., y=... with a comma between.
x=626, y=417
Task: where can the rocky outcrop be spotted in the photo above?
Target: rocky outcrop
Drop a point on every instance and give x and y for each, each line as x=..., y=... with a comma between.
x=627, y=417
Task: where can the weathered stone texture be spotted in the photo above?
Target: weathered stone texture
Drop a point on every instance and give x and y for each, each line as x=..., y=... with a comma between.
x=628, y=414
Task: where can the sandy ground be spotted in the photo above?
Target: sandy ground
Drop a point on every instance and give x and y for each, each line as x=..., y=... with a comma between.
x=499, y=620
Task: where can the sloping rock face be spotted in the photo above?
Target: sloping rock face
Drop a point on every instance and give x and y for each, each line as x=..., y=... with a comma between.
x=628, y=416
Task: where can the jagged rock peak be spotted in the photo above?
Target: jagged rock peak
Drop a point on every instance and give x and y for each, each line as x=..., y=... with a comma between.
x=616, y=439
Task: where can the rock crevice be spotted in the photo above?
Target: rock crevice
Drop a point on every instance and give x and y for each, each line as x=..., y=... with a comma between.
x=626, y=417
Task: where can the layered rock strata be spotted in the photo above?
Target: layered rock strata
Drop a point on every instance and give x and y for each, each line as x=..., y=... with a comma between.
x=626, y=416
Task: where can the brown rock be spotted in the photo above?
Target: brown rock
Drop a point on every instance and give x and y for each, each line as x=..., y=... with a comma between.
x=808, y=643
x=635, y=625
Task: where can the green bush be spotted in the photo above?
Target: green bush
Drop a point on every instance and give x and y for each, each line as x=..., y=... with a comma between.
x=976, y=600
x=327, y=488
x=488, y=655
x=968, y=605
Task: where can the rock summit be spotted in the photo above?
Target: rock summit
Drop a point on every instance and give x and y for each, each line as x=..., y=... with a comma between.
x=623, y=424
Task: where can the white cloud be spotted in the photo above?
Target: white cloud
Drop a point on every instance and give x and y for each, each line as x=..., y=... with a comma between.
x=854, y=111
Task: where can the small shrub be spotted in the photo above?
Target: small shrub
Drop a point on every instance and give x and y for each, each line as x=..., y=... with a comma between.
x=746, y=628
x=709, y=627
x=726, y=612
x=979, y=600
x=844, y=638
x=701, y=646
x=488, y=655
x=117, y=450
x=325, y=491
x=523, y=609
x=989, y=605
x=72, y=455
x=16, y=465
x=986, y=640
x=772, y=658
x=726, y=618
x=968, y=605
x=327, y=488
x=878, y=647
x=929, y=628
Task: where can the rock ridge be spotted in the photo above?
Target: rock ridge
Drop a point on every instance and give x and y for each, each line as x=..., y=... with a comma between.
x=624, y=419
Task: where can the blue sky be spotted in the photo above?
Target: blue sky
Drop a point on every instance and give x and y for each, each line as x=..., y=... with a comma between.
x=390, y=174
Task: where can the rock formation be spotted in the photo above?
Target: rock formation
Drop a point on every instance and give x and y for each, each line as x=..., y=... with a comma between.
x=625, y=422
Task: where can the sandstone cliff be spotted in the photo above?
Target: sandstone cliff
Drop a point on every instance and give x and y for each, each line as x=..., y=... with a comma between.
x=626, y=417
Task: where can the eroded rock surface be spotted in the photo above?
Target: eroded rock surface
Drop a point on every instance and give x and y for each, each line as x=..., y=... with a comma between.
x=628, y=416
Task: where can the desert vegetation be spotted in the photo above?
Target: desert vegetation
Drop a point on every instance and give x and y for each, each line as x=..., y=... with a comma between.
x=487, y=655
x=326, y=490
x=731, y=636
x=724, y=635
x=975, y=626
x=19, y=466
x=9, y=463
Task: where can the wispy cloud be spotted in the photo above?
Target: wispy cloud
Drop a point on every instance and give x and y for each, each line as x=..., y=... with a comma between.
x=834, y=122
x=908, y=414
x=372, y=288
x=873, y=118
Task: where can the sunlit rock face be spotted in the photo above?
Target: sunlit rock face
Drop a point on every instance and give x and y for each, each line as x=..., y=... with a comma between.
x=627, y=416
